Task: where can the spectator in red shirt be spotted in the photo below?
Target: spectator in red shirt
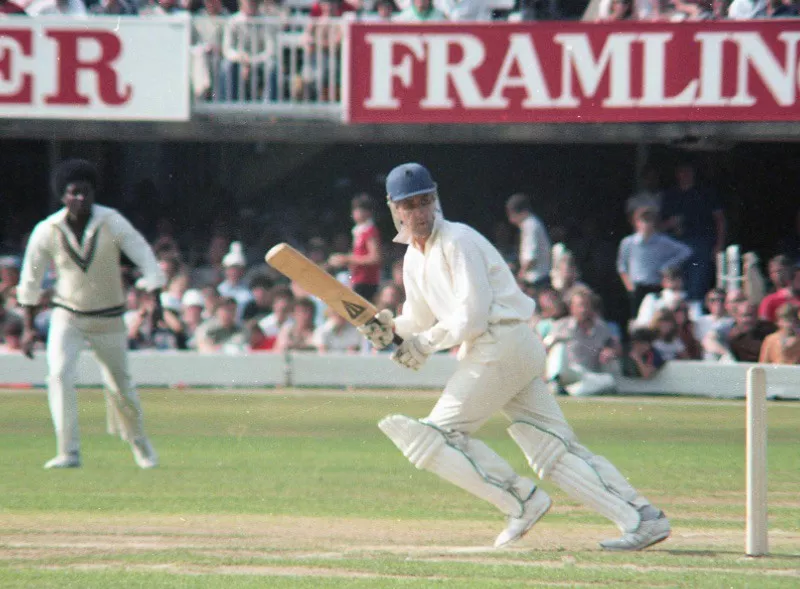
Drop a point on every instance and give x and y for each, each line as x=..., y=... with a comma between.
x=365, y=259
x=7, y=7
x=768, y=309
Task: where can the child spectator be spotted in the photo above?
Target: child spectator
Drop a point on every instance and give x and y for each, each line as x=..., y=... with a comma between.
x=391, y=297
x=717, y=319
x=260, y=304
x=686, y=330
x=748, y=333
x=779, y=270
x=192, y=305
x=282, y=308
x=365, y=259
x=783, y=346
x=299, y=334
x=789, y=294
x=221, y=333
x=336, y=335
x=643, y=359
x=211, y=299
x=643, y=257
x=550, y=307
x=233, y=286
x=534, y=242
x=669, y=297
x=666, y=341
x=565, y=274
x=256, y=340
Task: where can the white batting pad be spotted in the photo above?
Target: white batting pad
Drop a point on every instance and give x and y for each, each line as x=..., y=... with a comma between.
x=598, y=488
x=463, y=461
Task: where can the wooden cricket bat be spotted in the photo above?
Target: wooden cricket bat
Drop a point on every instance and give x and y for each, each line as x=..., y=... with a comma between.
x=350, y=305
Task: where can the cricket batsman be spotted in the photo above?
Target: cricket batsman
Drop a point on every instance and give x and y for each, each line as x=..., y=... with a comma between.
x=460, y=292
x=83, y=241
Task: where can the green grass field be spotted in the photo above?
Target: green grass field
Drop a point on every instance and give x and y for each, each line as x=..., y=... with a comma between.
x=300, y=489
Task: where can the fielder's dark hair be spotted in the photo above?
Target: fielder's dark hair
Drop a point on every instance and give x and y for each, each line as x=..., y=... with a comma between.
x=73, y=170
x=518, y=203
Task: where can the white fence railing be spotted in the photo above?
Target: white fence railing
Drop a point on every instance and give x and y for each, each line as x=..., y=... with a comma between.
x=266, y=65
x=178, y=369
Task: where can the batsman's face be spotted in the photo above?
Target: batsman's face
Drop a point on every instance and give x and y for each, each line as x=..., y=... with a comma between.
x=418, y=214
x=78, y=198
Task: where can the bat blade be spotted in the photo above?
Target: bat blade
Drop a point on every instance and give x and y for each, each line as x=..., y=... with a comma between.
x=313, y=279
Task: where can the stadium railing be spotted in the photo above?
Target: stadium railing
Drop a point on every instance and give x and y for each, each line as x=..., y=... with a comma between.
x=295, y=72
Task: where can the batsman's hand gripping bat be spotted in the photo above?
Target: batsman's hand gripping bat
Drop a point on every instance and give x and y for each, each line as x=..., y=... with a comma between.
x=353, y=307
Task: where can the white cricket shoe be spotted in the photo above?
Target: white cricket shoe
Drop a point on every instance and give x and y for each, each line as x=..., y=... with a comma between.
x=535, y=507
x=71, y=460
x=144, y=454
x=649, y=532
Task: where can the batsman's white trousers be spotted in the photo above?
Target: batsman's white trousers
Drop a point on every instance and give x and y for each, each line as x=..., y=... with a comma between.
x=69, y=334
x=502, y=371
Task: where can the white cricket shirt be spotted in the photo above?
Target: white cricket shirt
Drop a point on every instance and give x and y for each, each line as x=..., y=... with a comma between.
x=457, y=288
x=88, y=274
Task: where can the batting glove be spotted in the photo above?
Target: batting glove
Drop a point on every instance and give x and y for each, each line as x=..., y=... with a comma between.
x=380, y=330
x=412, y=353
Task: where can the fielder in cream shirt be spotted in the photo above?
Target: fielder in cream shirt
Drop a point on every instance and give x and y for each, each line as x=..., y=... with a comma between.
x=83, y=242
x=460, y=292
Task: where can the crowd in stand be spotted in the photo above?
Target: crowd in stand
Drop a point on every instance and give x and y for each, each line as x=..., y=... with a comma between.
x=412, y=10
x=229, y=304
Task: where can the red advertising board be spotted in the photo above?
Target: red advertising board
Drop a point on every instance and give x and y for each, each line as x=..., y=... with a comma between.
x=573, y=72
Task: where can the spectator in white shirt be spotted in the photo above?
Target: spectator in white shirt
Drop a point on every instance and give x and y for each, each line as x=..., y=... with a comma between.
x=667, y=341
x=192, y=306
x=534, y=243
x=747, y=9
x=669, y=297
x=420, y=11
x=74, y=8
x=282, y=307
x=336, y=335
x=715, y=339
x=233, y=286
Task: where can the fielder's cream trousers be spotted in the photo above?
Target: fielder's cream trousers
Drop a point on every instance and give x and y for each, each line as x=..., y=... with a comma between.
x=69, y=334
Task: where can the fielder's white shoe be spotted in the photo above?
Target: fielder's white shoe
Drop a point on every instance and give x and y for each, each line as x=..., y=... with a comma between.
x=144, y=454
x=535, y=507
x=649, y=532
x=71, y=460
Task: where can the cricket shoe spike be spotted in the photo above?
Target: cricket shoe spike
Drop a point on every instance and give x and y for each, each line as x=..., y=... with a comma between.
x=534, y=509
x=649, y=532
x=71, y=460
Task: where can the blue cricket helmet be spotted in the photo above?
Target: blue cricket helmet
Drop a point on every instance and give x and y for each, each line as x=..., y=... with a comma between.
x=408, y=180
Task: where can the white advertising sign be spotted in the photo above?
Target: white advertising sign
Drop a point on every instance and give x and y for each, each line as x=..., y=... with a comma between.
x=97, y=68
